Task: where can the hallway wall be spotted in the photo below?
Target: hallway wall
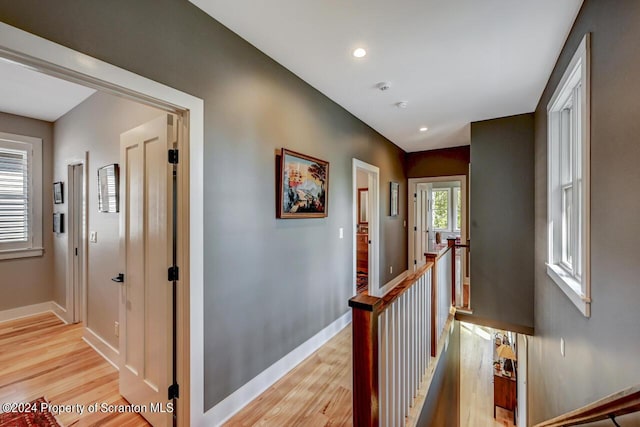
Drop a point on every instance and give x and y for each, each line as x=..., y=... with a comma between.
x=270, y=284
x=25, y=280
x=601, y=351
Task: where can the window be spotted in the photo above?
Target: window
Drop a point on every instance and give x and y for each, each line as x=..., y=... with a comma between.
x=457, y=203
x=441, y=198
x=568, y=181
x=20, y=196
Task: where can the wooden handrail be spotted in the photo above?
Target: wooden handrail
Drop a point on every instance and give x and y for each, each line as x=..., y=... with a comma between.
x=624, y=402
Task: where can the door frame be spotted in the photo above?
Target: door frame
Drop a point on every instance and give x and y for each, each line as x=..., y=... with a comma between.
x=373, y=173
x=411, y=190
x=42, y=55
x=72, y=292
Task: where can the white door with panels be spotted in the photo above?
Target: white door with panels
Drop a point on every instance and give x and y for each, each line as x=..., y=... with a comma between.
x=146, y=235
x=422, y=221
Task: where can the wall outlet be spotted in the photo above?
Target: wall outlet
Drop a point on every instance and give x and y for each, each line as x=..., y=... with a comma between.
x=390, y=269
x=93, y=237
x=341, y=232
x=562, y=346
x=116, y=329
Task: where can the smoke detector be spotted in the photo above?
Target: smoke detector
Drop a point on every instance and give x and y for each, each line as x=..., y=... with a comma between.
x=384, y=86
x=401, y=104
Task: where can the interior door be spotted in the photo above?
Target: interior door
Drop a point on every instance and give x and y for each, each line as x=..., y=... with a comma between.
x=146, y=229
x=422, y=222
x=76, y=208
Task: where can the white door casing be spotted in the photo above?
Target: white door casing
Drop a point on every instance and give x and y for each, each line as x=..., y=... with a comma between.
x=145, y=236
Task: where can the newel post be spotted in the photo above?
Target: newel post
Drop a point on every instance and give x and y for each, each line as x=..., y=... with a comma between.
x=365, y=360
x=452, y=244
x=433, y=258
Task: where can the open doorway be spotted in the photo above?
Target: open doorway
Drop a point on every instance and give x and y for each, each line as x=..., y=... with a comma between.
x=437, y=212
x=79, y=299
x=366, y=213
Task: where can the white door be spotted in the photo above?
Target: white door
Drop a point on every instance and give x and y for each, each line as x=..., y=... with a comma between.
x=76, y=209
x=422, y=219
x=522, y=377
x=146, y=236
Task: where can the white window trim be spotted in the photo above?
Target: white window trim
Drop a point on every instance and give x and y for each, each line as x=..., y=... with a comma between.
x=34, y=246
x=449, y=203
x=578, y=292
x=455, y=191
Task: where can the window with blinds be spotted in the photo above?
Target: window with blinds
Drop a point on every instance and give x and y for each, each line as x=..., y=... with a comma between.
x=14, y=195
x=20, y=196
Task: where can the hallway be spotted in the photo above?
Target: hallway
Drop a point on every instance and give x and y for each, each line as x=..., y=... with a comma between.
x=476, y=379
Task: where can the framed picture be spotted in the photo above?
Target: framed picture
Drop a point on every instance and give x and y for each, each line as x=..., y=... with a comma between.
x=393, y=198
x=58, y=223
x=108, y=188
x=58, y=197
x=303, y=186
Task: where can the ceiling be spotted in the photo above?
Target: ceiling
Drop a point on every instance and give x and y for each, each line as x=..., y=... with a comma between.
x=29, y=93
x=453, y=62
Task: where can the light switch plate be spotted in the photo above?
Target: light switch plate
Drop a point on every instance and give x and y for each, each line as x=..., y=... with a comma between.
x=93, y=237
x=341, y=232
x=562, y=346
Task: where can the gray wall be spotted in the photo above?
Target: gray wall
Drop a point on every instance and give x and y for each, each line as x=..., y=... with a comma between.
x=26, y=281
x=95, y=126
x=502, y=221
x=442, y=405
x=269, y=284
x=601, y=351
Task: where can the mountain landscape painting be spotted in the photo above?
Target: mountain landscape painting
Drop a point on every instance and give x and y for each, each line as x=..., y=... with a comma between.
x=304, y=186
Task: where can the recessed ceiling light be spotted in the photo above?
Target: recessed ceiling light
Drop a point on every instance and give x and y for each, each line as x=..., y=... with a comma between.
x=359, y=52
x=424, y=129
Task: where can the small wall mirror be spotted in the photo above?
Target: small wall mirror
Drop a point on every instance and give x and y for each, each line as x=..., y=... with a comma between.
x=363, y=205
x=108, y=187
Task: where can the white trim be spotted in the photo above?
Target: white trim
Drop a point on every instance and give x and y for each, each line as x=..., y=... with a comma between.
x=25, y=311
x=373, y=173
x=245, y=394
x=59, y=311
x=103, y=348
x=394, y=282
x=579, y=293
x=21, y=253
x=50, y=57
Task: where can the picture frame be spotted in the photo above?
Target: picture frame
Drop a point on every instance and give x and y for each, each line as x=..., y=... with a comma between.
x=394, y=194
x=109, y=188
x=303, y=186
x=58, y=223
x=58, y=194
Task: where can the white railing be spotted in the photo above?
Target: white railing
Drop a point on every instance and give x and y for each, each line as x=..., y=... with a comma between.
x=404, y=340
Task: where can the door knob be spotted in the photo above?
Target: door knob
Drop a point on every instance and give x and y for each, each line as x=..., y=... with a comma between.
x=119, y=278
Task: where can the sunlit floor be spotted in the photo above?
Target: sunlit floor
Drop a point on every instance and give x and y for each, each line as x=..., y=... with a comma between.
x=476, y=379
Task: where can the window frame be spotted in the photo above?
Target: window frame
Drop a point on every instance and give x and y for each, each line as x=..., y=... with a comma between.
x=572, y=95
x=455, y=193
x=433, y=209
x=33, y=246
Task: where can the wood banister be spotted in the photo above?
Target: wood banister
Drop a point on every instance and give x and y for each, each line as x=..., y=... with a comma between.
x=624, y=402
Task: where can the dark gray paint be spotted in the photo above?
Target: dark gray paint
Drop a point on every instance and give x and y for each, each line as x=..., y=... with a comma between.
x=502, y=220
x=601, y=351
x=25, y=281
x=442, y=404
x=269, y=284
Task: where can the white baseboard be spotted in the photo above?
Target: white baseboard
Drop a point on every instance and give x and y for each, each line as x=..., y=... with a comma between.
x=394, y=282
x=27, y=310
x=101, y=347
x=59, y=311
x=245, y=394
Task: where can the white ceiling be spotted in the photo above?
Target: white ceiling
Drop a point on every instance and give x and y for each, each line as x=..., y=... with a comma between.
x=454, y=61
x=29, y=93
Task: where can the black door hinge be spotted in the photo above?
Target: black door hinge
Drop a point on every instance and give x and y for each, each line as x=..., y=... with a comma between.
x=174, y=391
x=415, y=228
x=174, y=273
x=415, y=262
x=173, y=156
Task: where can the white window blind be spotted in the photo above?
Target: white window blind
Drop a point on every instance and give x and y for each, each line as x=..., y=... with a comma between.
x=14, y=195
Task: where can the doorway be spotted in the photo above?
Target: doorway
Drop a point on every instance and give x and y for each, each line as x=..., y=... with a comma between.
x=24, y=49
x=366, y=217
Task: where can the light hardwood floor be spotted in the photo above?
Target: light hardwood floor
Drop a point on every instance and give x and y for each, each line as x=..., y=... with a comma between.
x=41, y=356
x=315, y=393
x=476, y=376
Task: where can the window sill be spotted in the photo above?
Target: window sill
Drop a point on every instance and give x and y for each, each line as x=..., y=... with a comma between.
x=571, y=288
x=21, y=253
